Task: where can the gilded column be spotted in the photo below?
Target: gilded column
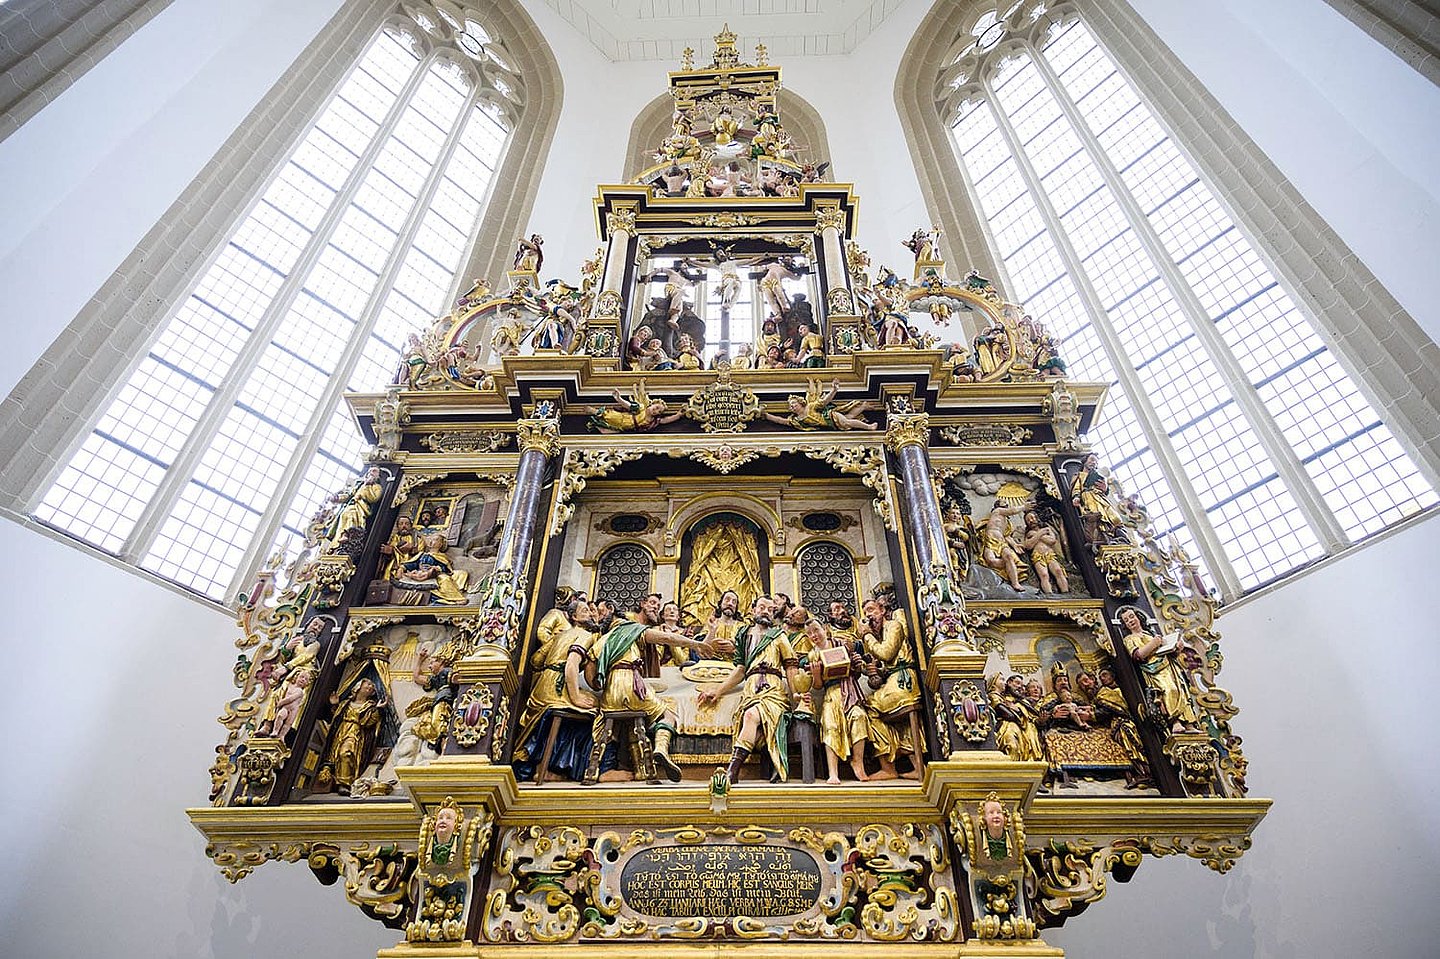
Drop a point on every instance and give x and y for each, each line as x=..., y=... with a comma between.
x=955, y=669
x=485, y=677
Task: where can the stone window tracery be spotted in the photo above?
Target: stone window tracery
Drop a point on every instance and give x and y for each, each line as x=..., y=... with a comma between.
x=230, y=430
x=1228, y=413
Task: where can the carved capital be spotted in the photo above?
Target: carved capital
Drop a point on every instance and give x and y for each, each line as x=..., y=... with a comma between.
x=830, y=218
x=907, y=429
x=620, y=221
x=538, y=434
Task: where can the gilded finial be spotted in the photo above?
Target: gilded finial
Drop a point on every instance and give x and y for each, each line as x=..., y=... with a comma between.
x=726, y=56
x=687, y=58
x=761, y=55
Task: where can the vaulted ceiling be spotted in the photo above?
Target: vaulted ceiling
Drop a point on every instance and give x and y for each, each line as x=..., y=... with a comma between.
x=662, y=29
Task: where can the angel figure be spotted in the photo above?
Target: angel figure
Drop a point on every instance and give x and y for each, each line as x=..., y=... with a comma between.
x=477, y=293
x=818, y=411
x=639, y=414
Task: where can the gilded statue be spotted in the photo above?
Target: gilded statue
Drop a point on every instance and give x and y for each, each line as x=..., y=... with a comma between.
x=637, y=414
x=529, y=257
x=1111, y=712
x=816, y=410
x=843, y=711
x=896, y=698
x=1090, y=494
x=359, y=713
x=1018, y=732
x=356, y=504
x=1159, y=660
x=550, y=691
x=429, y=578
x=402, y=546
x=768, y=670
x=724, y=556
x=615, y=665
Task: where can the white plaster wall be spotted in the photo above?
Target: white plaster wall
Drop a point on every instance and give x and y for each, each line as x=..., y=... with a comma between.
x=113, y=682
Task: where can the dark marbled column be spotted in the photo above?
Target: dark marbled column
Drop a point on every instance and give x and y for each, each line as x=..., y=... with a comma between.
x=485, y=678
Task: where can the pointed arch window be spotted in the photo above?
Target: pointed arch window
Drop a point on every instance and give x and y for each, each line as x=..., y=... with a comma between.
x=1248, y=440
x=230, y=430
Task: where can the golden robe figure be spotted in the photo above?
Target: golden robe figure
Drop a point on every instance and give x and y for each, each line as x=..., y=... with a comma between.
x=352, y=740
x=1161, y=670
x=725, y=555
x=883, y=639
x=766, y=670
x=547, y=665
x=1018, y=732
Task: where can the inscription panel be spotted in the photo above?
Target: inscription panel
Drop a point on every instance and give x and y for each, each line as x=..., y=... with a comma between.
x=680, y=882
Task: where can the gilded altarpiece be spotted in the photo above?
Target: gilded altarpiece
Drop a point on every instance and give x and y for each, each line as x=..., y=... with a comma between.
x=735, y=593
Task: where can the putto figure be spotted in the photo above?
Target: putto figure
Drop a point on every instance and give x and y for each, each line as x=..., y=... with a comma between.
x=638, y=414
x=818, y=411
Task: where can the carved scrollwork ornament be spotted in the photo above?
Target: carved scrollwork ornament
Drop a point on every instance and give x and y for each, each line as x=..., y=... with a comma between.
x=1216, y=852
x=412, y=481
x=581, y=466
x=376, y=878
x=985, y=434
x=723, y=406
x=473, y=713
x=392, y=415
x=239, y=859
x=993, y=840
x=1068, y=876
x=1063, y=408
x=969, y=712
x=331, y=573
x=621, y=220
x=1119, y=564
x=257, y=764
x=1197, y=759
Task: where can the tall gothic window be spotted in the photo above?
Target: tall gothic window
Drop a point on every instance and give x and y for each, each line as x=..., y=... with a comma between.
x=231, y=429
x=1227, y=412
